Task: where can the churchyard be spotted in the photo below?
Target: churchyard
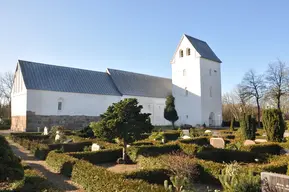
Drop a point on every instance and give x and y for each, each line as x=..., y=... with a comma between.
x=158, y=158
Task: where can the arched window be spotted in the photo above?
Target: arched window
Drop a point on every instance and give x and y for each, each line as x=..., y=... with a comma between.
x=188, y=51
x=184, y=72
x=181, y=53
x=60, y=104
x=186, y=91
x=210, y=72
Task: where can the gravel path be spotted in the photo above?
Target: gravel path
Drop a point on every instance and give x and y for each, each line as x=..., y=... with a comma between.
x=56, y=179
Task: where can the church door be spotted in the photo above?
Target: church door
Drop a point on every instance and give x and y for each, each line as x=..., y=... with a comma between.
x=212, y=119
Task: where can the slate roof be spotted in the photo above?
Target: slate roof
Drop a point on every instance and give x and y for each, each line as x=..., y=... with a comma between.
x=64, y=79
x=136, y=84
x=203, y=49
x=40, y=76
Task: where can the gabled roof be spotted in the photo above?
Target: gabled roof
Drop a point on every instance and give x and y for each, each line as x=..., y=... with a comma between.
x=203, y=49
x=65, y=79
x=136, y=84
x=40, y=76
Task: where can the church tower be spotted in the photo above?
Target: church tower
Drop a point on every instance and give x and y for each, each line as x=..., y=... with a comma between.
x=196, y=79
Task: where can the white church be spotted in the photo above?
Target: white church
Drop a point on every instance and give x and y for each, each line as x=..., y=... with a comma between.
x=47, y=95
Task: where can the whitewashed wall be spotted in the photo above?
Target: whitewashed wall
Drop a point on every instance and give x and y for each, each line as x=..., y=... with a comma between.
x=152, y=105
x=211, y=80
x=188, y=107
x=46, y=103
x=18, y=95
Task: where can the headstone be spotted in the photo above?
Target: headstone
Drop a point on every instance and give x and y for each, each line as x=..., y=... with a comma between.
x=274, y=182
x=127, y=146
x=67, y=141
x=208, y=131
x=186, y=132
x=95, y=147
x=286, y=134
x=284, y=151
x=260, y=140
x=45, y=132
x=186, y=137
x=217, y=142
x=57, y=136
x=249, y=142
x=163, y=141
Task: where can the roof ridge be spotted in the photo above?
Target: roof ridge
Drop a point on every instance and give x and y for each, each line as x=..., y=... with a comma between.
x=60, y=66
x=188, y=36
x=140, y=74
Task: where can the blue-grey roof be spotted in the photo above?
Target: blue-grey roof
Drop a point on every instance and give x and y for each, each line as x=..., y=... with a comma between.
x=203, y=49
x=64, y=79
x=40, y=76
x=136, y=84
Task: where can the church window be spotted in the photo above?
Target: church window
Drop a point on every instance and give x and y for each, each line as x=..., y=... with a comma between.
x=59, y=106
x=188, y=51
x=187, y=116
x=184, y=72
x=211, y=91
x=181, y=53
x=210, y=72
x=186, y=92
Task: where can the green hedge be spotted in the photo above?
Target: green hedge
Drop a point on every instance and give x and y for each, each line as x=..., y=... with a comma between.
x=93, y=178
x=225, y=155
x=146, y=151
x=70, y=147
x=268, y=148
x=196, y=140
x=30, y=136
x=60, y=162
x=10, y=166
x=171, y=135
x=209, y=171
x=4, y=127
x=153, y=176
x=96, y=157
x=190, y=149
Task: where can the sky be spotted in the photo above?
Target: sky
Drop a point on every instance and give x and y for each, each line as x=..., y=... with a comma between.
x=142, y=36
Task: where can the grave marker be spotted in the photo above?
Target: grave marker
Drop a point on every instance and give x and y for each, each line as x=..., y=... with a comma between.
x=275, y=182
x=217, y=143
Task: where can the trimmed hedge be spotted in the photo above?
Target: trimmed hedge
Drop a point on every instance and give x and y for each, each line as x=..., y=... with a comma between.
x=268, y=148
x=30, y=136
x=171, y=135
x=190, y=149
x=70, y=147
x=153, y=176
x=196, y=140
x=60, y=162
x=96, y=157
x=210, y=171
x=225, y=155
x=146, y=151
x=10, y=166
x=93, y=178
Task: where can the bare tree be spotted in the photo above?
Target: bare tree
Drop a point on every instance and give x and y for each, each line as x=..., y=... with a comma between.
x=6, y=83
x=277, y=81
x=253, y=86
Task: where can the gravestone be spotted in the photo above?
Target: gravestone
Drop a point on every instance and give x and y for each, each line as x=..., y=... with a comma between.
x=260, y=140
x=95, y=147
x=186, y=132
x=57, y=136
x=217, y=142
x=45, y=132
x=274, y=182
x=67, y=141
x=284, y=151
x=286, y=134
x=186, y=137
x=208, y=131
x=249, y=142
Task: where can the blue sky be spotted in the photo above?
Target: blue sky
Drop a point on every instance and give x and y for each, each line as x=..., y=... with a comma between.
x=141, y=36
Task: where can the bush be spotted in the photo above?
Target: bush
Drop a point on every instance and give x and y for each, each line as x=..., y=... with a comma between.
x=268, y=148
x=273, y=124
x=190, y=149
x=225, y=155
x=134, y=152
x=248, y=127
x=10, y=167
x=86, y=132
x=60, y=162
x=96, y=157
x=209, y=171
x=70, y=147
x=93, y=178
x=153, y=176
x=196, y=140
x=171, y=135
x=196, y=132
x=29, y=136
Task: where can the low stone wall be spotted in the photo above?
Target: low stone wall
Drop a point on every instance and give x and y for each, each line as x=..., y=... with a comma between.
x=18, y=123
x=69, y=122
